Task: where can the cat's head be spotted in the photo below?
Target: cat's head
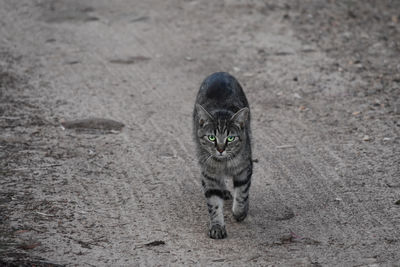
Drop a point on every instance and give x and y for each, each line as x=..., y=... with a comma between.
x=222, y=134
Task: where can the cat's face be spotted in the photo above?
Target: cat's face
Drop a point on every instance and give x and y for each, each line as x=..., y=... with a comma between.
x=221, y=136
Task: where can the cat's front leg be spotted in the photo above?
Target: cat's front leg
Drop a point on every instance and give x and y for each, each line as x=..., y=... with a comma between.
x=214, y=189
x=241, y=184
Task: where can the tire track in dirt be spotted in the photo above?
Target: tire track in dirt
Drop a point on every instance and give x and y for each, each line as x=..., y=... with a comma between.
x=155, y=143
x=178, y=187
x=329, y=156
x=152, y=99
x=109, y=191
x=357, y=236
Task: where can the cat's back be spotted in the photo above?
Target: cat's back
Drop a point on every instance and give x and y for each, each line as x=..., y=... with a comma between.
x=221, y=90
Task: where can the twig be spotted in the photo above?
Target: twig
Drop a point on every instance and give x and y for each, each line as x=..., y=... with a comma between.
x=151, y=244
x=37, y=230
x=87, y=244
x=393, y=185
x=294, y=235
x=44, y=214
x=254, y=257
x=155, y=243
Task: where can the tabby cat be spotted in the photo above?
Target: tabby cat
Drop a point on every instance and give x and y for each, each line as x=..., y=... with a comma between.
x=221, y=129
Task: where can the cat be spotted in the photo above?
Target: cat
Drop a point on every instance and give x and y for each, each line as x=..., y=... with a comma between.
x=221, y=130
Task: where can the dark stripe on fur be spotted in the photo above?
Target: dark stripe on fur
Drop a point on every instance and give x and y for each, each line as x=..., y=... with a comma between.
x=243, y=200
x=214, y=192
x=249, y=167
x=209, y=177
x=246, y=188
x=240, y=183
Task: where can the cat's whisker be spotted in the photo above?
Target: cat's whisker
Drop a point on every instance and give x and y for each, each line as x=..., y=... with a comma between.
x=209, y=157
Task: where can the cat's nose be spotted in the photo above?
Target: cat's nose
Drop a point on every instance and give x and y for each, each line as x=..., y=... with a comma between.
x=220, y=150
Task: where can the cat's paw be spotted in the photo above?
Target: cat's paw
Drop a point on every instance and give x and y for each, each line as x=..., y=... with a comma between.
x=217, y=232
x=227, y=195
x=240, y=213
x=240, y=216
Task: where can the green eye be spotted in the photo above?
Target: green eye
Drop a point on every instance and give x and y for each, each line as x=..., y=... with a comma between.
x=211, y=138
x=231, y=138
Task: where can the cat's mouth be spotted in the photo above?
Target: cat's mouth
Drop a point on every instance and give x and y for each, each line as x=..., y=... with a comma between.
x=220, y=155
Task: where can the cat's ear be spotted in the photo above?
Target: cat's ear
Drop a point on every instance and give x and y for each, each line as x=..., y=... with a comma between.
x=203, y=115
x=241, y=117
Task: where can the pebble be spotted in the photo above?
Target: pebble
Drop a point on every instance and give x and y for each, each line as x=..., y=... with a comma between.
x=236, y=69
x=338, y=199
x=366, y=138
x=302, y=108
x=248, y=74
x=296, y=95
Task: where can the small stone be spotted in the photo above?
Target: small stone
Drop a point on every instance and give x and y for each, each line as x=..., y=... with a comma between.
x=248, y=74
x=386, y=139
x=338, y=199
x=366, y=138
x=347, y=35
x=296, y=95
x=397, y=202
x=236, y=69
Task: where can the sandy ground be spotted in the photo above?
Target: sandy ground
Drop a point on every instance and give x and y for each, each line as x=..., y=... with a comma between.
x=322, y=79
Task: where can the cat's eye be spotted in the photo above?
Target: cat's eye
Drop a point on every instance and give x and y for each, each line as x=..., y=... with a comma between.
x=211, y=138
x=231, y=138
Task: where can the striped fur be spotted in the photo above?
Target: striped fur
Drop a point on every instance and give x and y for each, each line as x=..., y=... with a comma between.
x=222, y=111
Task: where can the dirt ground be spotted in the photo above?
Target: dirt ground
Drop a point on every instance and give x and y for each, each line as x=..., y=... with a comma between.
x=323, y=82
